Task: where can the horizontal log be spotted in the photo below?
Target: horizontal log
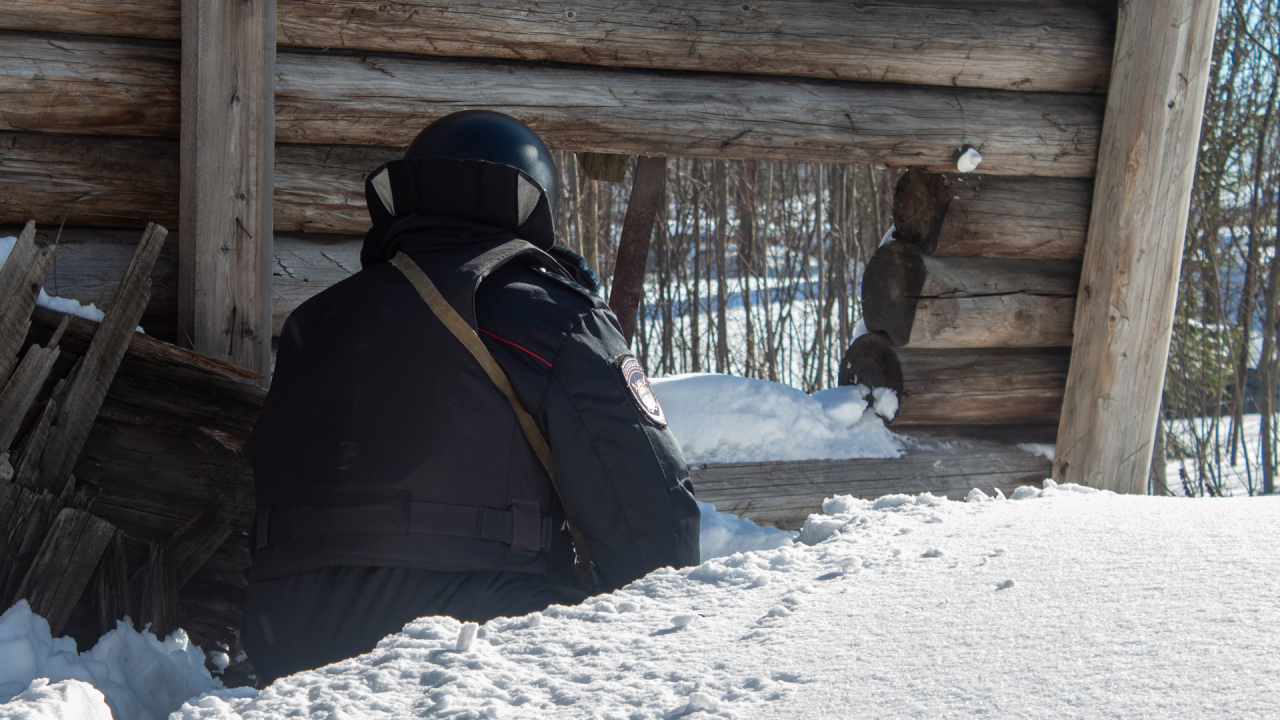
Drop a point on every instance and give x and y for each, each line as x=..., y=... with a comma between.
x=961, y=387
x=783, y=494
x=929, y=302
x=103, y=182
x=93, y=86
x=1064, y=47
x=326, y=98
x=91, y=262
x=989, y=216
x=385, y=100
x=72, y=180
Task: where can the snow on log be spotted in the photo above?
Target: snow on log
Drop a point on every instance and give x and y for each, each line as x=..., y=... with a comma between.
x=961, y=387
x=937, y=302
x=110, y=87
x=1008, y=45
x=989, y=216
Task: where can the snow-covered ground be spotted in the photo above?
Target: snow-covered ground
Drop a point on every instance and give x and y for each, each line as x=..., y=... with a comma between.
x=1055, y=603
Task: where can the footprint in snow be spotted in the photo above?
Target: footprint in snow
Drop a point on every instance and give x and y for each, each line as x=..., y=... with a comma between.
x=932, y=553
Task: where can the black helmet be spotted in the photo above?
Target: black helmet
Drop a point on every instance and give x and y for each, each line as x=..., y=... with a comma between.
x=493, y=137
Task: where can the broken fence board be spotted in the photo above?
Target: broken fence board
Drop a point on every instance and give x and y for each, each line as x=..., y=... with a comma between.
x=20, y=280
x=64, y=565
x=85, y=394
x=25, y=384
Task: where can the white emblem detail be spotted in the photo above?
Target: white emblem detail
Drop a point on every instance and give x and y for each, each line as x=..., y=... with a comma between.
x=527, y=195
x=382, y=184
x=642, y=391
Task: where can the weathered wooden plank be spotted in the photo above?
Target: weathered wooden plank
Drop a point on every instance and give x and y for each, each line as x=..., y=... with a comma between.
x=112, y=585
x=31, y=449
x=18, y=508
x=157, y=378
x=63, y=566
x=163, y=449
x=784, y=494
x=227, y=166
x=174, y=562
x=929, y=302
x=118, y=182
x=97, y=86
x=385, y=100
x=85, y=394
x=1129, y=285
x=24, y=385
x=987, y=216
x=1060, y=47
x=110, y=182
x=155, y=19
x=961, y=387
x=19, y=288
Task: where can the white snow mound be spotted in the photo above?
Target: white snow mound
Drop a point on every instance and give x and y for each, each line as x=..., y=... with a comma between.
x=727, y=419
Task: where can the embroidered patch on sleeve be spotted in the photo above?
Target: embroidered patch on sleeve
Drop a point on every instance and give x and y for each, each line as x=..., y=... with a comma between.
x=641, y=391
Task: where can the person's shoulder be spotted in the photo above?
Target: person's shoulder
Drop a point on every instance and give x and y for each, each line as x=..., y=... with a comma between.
x=533, y=283
x=351, y=296
x=530, y=302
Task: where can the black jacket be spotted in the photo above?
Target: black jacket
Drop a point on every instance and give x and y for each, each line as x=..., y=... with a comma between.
x=382, y=442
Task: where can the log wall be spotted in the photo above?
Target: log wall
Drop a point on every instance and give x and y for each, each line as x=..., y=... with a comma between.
x=986, y=266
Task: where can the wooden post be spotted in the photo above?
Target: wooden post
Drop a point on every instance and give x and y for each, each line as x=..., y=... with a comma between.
x=227, y=154
x=1129, y=282
x=633, y=246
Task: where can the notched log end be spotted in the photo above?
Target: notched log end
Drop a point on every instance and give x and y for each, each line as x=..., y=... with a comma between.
x=872, y=361
x=891, y=289
x=920, y=203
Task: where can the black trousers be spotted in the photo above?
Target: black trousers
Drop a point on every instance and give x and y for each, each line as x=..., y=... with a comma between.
x=317, y=617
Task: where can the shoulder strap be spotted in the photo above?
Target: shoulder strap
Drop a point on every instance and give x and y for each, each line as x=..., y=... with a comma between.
x=468, y=337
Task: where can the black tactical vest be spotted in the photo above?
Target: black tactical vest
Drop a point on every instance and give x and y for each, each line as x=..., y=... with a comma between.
x=382, y=441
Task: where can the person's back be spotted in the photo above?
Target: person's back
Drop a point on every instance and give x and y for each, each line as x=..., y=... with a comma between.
x=394, y=477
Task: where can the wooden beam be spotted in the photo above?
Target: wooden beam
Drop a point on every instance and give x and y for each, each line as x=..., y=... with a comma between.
x=227, y=161
x=128, y=182
x=929, y=302
x=87, y=390
x=989, y=216
x=961, y=387
x=384, y=100
x=783, y=494
x=633, y=245
x=89, y=86
x=1011, y=45
x=1129, y=283
x=81, y=180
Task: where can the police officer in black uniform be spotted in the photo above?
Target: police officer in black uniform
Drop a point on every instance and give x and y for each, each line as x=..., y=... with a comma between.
x=395, y=476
